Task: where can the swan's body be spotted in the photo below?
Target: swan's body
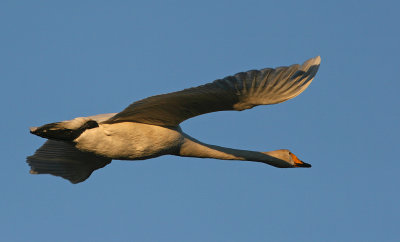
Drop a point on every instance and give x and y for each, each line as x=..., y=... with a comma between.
x=130, y=141
x=150, y=127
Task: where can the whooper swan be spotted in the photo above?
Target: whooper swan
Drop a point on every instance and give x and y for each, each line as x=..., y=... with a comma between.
x=150, y=127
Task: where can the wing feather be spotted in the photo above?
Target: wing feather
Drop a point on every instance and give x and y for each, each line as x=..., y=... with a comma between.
x=241, y=91
x=62, y=159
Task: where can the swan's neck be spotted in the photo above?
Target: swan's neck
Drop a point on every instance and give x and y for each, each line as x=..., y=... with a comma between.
x=194, y=148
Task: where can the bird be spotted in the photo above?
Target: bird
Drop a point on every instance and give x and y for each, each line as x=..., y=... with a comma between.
x=150, y=127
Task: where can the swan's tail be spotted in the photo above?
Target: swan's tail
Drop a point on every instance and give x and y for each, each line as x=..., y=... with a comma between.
x=62, y=159
x=66, y=130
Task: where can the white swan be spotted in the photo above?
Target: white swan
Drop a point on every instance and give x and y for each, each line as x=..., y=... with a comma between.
x=150, y=127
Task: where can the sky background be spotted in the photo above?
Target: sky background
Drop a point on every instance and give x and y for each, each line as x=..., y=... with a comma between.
x=64, y=59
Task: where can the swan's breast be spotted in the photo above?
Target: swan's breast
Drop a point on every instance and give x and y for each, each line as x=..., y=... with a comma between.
x=129, y=141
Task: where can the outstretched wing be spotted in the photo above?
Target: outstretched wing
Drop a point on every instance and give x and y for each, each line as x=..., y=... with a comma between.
x=62, y=159
x=238, y=92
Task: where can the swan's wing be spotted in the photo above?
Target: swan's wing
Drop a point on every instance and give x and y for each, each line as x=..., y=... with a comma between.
x=62, y=159
x=238, y=92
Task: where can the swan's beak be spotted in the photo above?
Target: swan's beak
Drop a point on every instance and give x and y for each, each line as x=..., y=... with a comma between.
x=302, y=164
x=298, y=162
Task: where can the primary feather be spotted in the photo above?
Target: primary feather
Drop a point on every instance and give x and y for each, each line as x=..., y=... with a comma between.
x=238, y=92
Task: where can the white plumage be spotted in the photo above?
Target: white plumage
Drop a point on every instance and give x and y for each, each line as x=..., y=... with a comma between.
x=150, y=127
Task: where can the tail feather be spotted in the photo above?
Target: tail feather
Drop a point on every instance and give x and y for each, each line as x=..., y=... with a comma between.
x=60, y=158
x=66, y=130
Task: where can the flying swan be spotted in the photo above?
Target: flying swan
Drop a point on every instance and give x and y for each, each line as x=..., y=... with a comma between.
x=150, y=127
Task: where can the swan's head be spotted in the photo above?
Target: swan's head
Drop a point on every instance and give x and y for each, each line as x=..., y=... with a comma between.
x=286, y=159
x=296, y=162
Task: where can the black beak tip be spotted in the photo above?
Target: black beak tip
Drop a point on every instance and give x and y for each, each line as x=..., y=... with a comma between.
x=305, y=165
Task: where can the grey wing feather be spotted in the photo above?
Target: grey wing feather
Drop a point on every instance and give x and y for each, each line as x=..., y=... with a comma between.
x=62, y=159
x=241, y=91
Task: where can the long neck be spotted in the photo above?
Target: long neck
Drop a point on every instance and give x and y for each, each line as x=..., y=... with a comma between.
x=194, y=148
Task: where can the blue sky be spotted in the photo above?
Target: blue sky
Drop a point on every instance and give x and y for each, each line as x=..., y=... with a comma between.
x=60, y=60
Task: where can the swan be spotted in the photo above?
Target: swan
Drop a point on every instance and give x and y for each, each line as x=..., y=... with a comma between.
x=150, y=127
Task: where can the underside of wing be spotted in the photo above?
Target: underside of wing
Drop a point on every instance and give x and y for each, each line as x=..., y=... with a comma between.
x=241, y=91
x=62, y=159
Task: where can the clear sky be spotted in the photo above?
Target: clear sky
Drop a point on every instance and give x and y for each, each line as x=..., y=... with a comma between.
x=63, y=59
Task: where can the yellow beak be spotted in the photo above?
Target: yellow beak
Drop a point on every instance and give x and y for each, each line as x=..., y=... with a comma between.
x=298, y=162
